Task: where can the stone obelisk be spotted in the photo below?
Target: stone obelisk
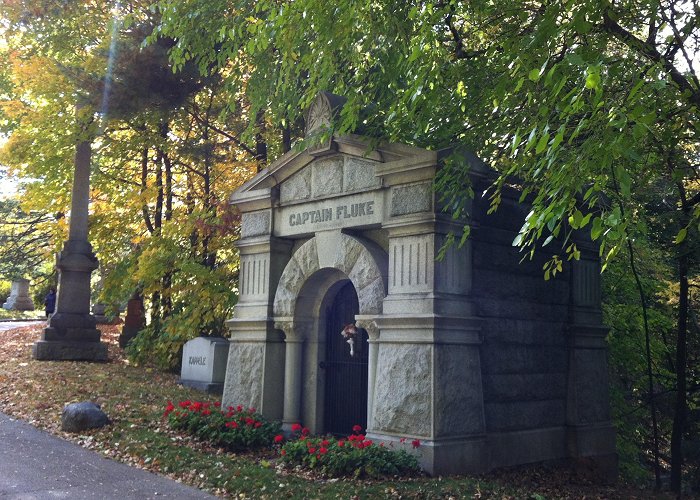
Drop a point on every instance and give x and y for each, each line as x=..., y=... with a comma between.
x=71, y=332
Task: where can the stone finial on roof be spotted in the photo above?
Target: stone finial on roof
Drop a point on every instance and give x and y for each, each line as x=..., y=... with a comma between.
x=323, y=111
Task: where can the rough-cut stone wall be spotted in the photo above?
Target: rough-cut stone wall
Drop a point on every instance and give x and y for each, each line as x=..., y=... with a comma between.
x=403, y=395
x=524, y=355
x=244, y=386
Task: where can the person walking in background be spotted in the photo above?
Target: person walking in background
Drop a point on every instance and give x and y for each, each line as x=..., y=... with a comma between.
x=50, y=302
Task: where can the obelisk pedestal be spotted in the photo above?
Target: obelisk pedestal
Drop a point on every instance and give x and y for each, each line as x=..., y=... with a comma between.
x=71, y=332
x=19, y=299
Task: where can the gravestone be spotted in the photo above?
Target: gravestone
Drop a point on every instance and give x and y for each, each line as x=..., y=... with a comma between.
x=134, y=321
x=98, y=311
x=19, y=299
x=474, y=354
x=204, y=364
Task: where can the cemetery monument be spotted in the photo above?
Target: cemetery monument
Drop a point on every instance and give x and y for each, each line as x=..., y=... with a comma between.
x=346, y=317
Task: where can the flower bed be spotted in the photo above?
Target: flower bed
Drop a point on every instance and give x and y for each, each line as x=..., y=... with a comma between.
x=233, y=428
x=354, y=456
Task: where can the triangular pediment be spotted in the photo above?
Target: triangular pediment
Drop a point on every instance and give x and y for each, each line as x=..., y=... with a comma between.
x=345, y=164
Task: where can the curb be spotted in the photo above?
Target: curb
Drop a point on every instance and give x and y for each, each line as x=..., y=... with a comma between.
x=20, y=320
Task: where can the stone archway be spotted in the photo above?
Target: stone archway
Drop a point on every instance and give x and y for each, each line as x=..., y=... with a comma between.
x=363, y=262
x=315, y=268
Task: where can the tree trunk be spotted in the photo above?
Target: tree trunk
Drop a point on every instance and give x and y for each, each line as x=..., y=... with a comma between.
x=681, y=405
x=158, y=215
x=650, y=374
x=286, y=138
x=144, y=186
x=260, y=144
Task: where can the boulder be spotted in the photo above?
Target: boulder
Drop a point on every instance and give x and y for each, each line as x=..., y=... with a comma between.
x=77, y=417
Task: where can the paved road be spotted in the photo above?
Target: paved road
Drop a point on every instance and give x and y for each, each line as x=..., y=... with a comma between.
x=9, y=325
x=37, y=465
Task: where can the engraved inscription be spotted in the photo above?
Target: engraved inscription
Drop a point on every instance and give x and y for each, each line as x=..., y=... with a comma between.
x=348, y=211
x=198, y=360
x=332, y=213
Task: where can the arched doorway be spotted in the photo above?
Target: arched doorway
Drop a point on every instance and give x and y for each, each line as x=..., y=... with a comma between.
x=318, y=381
x=345, y=394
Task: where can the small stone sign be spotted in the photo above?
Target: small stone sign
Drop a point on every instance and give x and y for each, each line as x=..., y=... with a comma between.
x=204, y=364
x=19, y=299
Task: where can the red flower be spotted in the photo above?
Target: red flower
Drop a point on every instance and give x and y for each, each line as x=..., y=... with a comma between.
x=251, y=410
x=184, y=404
x=325, y=443
x=217, y=404
x=168, y=409
x=205, y=405
x=368, y=443
x=283, y=452
x=356, y=428
x=258, y=424
x=239, y=408
x=312, y=451
x=415, y=443
x=305, y=431
x=323, y=451
x=296, y=427
x=279, y=438
x=232, y=424
x=341, y=443
x=402, y=440
x=206, y=412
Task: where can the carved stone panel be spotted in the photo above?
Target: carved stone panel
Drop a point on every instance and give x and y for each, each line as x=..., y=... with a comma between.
x=297, y=187
x=327, y=176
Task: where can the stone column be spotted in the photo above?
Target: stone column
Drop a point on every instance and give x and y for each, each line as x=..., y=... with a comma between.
x=71, y=333
x=255, y=370
x=589, y=429
x=292, y=381
x=368, y=323
x=19, y=299
x=428, y=352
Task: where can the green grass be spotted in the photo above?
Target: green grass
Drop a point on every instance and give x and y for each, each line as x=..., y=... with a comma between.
x=10, y=315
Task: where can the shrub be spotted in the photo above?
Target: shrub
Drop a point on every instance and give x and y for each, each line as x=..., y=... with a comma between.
x=235, y=429
x=352, y=456
x=5, y=289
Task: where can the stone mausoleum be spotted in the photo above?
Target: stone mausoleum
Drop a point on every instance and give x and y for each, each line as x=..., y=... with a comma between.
x=475, y=355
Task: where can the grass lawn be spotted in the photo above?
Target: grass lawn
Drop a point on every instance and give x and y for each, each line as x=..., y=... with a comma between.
x=6, y=315
x=134, y=397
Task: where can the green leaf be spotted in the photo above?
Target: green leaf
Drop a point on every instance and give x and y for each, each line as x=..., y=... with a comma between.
x=542, y=143
x=534, y=75
x=558, y=138
x=681, y=235
x=593, y=80
x=596, y=228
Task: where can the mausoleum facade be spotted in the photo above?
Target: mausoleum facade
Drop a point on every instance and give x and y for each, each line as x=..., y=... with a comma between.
x=346, y=315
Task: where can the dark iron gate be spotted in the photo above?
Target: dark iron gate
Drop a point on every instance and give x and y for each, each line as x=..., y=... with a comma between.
x=346, y=376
